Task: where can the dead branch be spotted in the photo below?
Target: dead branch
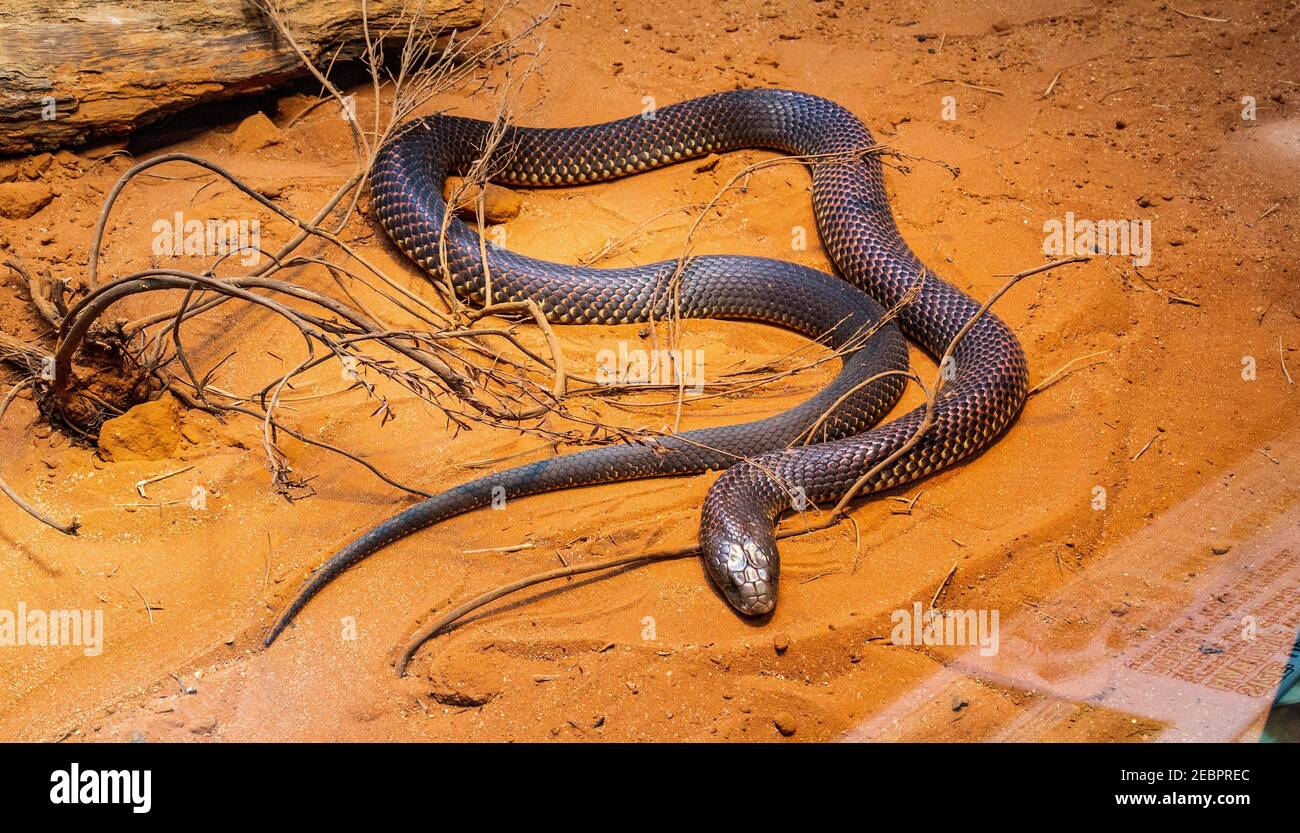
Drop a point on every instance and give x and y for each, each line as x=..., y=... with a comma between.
x=69, y=528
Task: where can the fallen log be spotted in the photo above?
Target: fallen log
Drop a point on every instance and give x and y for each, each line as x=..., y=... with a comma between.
x=80, y=71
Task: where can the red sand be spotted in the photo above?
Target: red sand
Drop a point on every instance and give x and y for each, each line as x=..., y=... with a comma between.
x=1116, y=624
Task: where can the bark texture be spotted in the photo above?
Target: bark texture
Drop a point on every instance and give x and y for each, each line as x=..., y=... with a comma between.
x=76, y=71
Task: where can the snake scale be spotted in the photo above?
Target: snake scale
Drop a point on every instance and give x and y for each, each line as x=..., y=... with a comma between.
x=767, y=468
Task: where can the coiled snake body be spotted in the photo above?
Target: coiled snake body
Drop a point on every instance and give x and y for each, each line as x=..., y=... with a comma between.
x=736, y=529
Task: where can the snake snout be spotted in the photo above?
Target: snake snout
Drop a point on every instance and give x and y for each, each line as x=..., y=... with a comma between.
x=744, y=567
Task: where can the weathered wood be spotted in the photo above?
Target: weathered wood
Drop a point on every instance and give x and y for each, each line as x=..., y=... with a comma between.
x=74, y=71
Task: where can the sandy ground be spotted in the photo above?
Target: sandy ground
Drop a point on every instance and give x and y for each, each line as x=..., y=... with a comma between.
x=1163, y=612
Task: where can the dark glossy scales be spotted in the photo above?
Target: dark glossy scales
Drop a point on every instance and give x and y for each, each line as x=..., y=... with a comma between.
x=859, y=232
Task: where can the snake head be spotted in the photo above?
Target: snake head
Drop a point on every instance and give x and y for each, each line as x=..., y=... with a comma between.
x=742, y=560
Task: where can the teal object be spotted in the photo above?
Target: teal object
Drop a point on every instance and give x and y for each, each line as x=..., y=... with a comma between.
x=1283, y=724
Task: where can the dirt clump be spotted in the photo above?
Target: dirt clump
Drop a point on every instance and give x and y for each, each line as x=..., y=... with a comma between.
x=254, y=133
x=20, y=200
x=149, y=431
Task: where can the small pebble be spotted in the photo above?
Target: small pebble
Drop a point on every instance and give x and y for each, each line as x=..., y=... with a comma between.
x=781, y=643
x=784, y=722
x=1220, y=549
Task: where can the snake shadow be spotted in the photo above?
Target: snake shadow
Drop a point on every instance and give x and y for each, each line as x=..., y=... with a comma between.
x=520, y=602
